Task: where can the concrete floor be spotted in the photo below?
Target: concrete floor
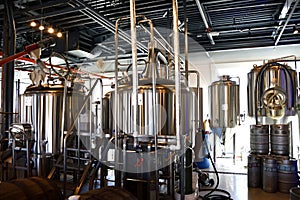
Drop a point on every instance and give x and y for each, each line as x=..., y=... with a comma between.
x=236, y=185
x=233, y=178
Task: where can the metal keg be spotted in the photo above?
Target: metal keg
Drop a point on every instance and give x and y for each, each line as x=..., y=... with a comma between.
x=287, y=175
x=262, y=158
x=254, y=171
x=259, y=139
x=280, y=139
x=270, y=175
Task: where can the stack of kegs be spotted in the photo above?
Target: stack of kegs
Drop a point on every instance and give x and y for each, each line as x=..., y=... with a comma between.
x=269, y=164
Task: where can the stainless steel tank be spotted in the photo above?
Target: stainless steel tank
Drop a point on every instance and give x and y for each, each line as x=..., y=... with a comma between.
x=224, y=102
x=165, y=109
x=42, y=107
x=274, y=79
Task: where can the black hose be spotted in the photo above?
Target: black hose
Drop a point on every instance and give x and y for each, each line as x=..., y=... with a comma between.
x=66, y=61
x=210, y=195
x=258, y=83
x=130, y=65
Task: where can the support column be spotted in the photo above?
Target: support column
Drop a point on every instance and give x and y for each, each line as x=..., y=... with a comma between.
x=7, y=86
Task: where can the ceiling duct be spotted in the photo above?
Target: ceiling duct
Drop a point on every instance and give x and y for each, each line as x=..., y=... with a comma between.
x=76, y=44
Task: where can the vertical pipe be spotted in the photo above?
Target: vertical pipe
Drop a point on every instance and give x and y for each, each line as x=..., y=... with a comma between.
x=63, y=137
x=116, y=105
x=177, y=92
x=134, y=69
x=186, y=42
x=155, y=127
x=291, y=139
x=188, y=153
x=177, y=72
x=9, y=46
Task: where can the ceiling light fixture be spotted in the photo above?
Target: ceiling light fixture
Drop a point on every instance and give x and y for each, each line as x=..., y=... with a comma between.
x=41, y=27
x=33, y=24
x=50, y=30
x=59, y=34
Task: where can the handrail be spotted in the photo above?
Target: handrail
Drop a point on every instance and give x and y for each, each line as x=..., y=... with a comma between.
x=70, y=131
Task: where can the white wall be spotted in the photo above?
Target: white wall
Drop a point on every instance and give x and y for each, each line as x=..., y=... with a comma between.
x=239, y=63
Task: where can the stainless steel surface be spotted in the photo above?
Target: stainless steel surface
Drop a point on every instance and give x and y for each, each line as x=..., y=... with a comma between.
x=106, y=127
x=135, y=83
x=259, y=139
x=271, y=77
x=20, y=132
x=224, y=103
x=177, y=73
x=42, y=106
x=164, y=108
x=280, y=139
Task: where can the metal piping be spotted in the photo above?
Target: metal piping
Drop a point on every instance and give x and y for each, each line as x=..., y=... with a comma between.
x=177, y=75
x=116, y=102
x=286, y=22
x=91, y=13
x=205, y=22
x=283, y=13
x=134, y=70
x=154, y=117
x=69, y=133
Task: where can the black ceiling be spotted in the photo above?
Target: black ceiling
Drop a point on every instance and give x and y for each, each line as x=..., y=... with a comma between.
x=230, y=24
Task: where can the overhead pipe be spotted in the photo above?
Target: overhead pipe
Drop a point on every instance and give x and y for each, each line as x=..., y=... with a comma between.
x=205, y=22
x=91, y=13
x=286, y=22
x=283, y=13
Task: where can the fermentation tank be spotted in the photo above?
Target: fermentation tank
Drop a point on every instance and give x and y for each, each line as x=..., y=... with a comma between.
x=224, y=102
x=42, y=107
x=271, y=88
x=165, y=109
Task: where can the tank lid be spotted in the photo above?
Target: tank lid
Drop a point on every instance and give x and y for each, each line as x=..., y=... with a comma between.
x=225, y=78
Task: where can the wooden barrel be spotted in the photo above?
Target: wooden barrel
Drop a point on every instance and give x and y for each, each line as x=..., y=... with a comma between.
x=108, y=193
x=33, y=188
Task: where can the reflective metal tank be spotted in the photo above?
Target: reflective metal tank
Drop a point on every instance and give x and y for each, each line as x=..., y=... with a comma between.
x=224, y=102
x=42, y=107
x=274, y=79
x=165, y=109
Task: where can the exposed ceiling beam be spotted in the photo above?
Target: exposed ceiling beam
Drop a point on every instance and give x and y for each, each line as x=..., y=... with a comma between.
x=201, y=10
x=285, y=9
x=286, y=22
x=52, y=14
